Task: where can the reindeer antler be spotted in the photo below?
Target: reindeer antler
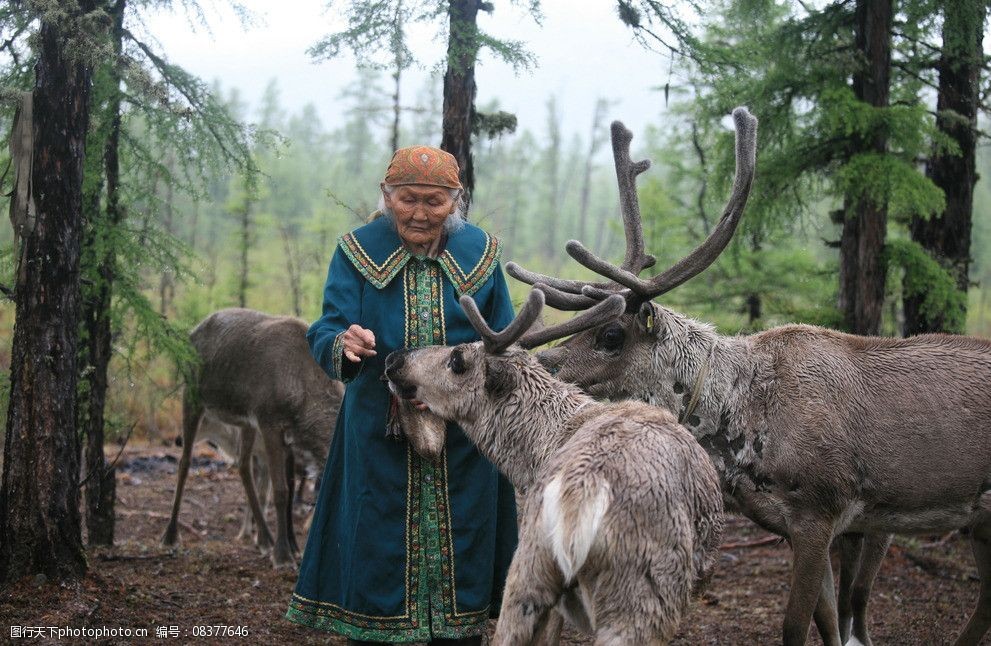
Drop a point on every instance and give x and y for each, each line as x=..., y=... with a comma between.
x=573, y=294
x=496, y=342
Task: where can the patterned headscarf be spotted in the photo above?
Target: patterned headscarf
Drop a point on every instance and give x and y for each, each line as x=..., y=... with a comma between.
x=423, y=165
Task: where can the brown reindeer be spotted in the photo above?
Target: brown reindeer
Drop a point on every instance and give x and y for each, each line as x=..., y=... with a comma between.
x=256, y=373
x=816, y=434
x=621, y=513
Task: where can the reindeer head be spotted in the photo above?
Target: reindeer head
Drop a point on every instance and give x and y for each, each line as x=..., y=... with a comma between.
x=635, y=355
x=461, y=383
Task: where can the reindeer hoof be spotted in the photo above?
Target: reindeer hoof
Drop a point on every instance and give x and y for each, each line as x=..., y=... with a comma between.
x=284, y=562
x=170, y=537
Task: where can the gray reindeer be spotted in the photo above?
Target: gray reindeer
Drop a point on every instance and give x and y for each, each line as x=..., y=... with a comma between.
x=816, y=434
x=256, y=373
x=621, y=510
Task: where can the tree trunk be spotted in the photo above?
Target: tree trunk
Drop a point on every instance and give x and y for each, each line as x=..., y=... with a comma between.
x=595, y=141
x=291, y=248
x=459, y=86
x=96, y=333
x=397, y=73
x=947, y=237
x=552, y=163
x=166, y=283
x=242, y=286
x=39, y=498
x=862, y=267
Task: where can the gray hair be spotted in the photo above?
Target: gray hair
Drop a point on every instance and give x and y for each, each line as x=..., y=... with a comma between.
x=454, y=222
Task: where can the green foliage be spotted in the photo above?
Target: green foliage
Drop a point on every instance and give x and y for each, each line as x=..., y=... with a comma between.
x=885, y=179
x=375, y=33
x=792, y=64
x=926, y=278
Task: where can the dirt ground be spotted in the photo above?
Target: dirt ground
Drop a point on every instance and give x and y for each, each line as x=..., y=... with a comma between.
x=923, y=595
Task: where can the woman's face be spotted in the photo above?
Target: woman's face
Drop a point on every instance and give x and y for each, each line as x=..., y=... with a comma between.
x=420, y=211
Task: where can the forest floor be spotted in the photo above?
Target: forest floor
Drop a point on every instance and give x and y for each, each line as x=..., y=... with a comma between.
x=923, y=594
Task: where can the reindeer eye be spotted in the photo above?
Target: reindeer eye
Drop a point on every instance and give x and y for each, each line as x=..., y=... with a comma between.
x=611, y=338
x=457, y=362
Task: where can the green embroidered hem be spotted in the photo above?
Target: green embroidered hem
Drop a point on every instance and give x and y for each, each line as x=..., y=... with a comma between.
x=299, y=613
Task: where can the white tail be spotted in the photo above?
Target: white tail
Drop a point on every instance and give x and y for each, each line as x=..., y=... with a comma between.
x=571, y=521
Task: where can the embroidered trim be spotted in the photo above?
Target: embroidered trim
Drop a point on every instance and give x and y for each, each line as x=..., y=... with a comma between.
x=468, y=284
x=338, y=350
x=378, y=275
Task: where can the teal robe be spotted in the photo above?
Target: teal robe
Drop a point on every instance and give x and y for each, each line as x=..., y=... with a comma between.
x=401, y=549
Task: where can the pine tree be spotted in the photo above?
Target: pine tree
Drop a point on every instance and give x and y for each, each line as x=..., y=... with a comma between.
x=842, y=119
x=374, y=27
x=40, y=529
x=946, y=236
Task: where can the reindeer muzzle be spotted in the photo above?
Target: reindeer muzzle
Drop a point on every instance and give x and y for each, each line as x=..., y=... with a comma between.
x=394, y=364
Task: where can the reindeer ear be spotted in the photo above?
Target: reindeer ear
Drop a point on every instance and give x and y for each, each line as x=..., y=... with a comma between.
x=647, y=319
x=500, y=380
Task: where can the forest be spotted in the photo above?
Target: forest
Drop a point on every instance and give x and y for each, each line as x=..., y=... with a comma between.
x=143, y=198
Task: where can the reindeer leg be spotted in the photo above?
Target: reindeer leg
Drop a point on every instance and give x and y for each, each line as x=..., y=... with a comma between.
x=192, y=413
x=533, y=587
x=248, y=520
x=291, y=488
x=263, y=485
x=275, y=449
x=245, y=449
x=874, y=549
x=810, y=542
x=299, y=497
x=549, y=634
x=825, y=610
x=980, y=619
x=850, y=548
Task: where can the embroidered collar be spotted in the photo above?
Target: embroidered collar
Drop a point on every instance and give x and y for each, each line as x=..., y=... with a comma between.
x=468, y=259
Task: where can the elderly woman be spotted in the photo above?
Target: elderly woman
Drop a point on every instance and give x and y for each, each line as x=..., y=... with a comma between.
x=402, y=549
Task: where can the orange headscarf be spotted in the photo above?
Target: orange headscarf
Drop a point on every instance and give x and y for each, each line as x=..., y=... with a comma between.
x=423, y=165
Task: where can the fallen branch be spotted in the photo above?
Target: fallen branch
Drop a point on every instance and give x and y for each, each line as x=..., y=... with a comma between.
x=940, y=542
x=154, y=514
x=135, y=557
x=760, y=542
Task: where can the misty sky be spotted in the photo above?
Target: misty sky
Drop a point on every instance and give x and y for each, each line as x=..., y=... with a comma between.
x=583, y=52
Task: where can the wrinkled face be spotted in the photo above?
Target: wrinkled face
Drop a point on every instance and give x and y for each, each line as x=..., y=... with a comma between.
x=420, y=211
x=451, y=381
x=629, y=358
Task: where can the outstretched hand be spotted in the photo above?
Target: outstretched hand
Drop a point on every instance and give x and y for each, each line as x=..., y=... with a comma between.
x=358, y=343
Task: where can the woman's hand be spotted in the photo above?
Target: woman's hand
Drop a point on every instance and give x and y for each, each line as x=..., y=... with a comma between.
x=358, y=343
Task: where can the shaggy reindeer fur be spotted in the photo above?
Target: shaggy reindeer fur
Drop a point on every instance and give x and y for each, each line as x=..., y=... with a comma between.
x=816, y=433
x=621, y=513
x=256, y=373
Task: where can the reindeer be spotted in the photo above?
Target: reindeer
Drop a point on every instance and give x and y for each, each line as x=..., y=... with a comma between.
x=256, y=373
x=227, y=440
x=816, y=434
x=621, y=514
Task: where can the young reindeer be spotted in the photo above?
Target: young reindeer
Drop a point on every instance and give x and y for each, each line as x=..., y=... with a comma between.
x=256, y=373
x=815, y=433
x=621, y=514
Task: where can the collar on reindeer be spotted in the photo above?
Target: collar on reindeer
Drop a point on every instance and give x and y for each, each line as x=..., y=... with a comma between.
x=696, y=393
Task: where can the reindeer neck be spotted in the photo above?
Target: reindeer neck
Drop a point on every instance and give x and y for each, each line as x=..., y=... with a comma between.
x=716, y=382
x=706, y=369
x=521, y=432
